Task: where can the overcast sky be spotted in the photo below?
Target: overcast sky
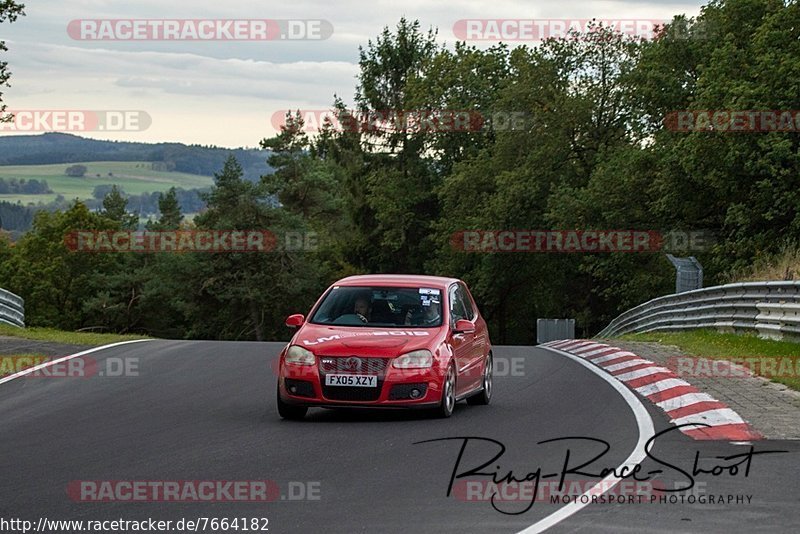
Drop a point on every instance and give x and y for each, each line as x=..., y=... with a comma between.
x=225, y=92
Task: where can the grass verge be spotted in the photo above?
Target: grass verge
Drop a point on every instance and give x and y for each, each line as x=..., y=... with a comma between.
x=60, y=336
x=10, y=364
x=714, y=345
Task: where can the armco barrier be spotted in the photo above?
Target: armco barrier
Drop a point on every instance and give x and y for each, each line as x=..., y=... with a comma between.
x=770, y=309
x=12, y=309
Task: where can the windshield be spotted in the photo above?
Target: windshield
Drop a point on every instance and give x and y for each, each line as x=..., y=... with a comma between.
x=381, y=306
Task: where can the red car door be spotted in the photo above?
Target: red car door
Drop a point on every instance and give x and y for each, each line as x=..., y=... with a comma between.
x=464, y=346
x=480, y=342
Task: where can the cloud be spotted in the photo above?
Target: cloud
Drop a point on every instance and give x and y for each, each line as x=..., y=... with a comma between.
x=183, y=84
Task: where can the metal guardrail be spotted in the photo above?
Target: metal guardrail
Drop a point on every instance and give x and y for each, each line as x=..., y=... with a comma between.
x=770, y=309
x=12, y=309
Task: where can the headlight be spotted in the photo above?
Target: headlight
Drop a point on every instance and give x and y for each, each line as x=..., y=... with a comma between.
x=299, y=356
x=419, y=359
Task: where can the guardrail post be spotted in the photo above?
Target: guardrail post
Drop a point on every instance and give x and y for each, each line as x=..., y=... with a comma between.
x=688, y=275
x=554, y=329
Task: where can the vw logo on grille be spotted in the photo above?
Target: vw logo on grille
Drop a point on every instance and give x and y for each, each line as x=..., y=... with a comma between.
x=352, y=364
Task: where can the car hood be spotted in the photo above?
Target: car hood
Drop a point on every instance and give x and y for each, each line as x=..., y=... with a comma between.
x=361, y=341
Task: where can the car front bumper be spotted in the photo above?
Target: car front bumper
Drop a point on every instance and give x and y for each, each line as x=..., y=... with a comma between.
x=304, y=385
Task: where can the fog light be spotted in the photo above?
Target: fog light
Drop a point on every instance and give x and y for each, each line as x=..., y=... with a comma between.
x=415, y=393
x=293, y=389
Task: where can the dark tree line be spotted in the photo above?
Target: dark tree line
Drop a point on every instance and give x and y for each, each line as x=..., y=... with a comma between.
x=12, y=186
x=50, y=148
x=147, y=204
x=15, y=217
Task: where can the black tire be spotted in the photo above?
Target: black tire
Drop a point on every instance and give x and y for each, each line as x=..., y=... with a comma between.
x=448, y=401
x=484, y=397
x=289, y=411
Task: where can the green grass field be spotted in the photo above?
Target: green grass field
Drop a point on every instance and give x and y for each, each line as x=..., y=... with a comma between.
x=714, y=345
x=134, y=177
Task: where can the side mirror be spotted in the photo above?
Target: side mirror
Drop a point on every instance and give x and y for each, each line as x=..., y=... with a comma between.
x=464, y=327
x=293, y=321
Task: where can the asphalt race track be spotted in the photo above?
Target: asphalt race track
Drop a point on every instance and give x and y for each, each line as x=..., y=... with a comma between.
x=206, y=411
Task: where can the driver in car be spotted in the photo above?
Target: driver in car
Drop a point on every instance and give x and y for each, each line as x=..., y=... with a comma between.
x=362, y=308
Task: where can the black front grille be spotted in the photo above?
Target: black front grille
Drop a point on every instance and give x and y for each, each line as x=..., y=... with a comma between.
x=353, y=365
x=403, y=391
x=347, y=393
x=300, y=388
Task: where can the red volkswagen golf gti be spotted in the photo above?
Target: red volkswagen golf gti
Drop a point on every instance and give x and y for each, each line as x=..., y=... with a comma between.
x=393, y=341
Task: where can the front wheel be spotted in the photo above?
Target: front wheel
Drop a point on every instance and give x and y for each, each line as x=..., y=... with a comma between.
x=448, y=402
x=289, y=411
x=483, y=397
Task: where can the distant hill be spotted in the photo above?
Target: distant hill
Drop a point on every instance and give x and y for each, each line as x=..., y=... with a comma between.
x=50, y=148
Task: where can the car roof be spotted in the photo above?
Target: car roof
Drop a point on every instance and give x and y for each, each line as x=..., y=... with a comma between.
x=402, y=280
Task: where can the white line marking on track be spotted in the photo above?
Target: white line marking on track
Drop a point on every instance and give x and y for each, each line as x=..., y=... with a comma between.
x=598, y=351
x=639, y=373
x=592, y=347
x=612, y=356
x=625, y=365
x=661, y=385
x=573, y=344
x=645, y=426
x=684, y=400
x=721, y=416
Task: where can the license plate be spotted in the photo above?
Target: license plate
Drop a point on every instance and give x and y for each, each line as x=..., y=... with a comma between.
x=359, y=381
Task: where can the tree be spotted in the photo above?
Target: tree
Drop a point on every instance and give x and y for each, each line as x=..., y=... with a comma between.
x=246, y=295
x=387, y=65
x=76, y=171
x=115, y=208
x=459, y=83
x=744, y=187
x=100, y=191
x=170, y=212
x=56, y=282
x=9, y=11
x=302, y=183
x=394, y=202
x=574, y=93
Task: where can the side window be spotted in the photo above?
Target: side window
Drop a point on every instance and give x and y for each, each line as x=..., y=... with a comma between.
x=467, y=302
x=457, y=310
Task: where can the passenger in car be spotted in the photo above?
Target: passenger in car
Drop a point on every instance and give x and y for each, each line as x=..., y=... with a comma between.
x=431, y=315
